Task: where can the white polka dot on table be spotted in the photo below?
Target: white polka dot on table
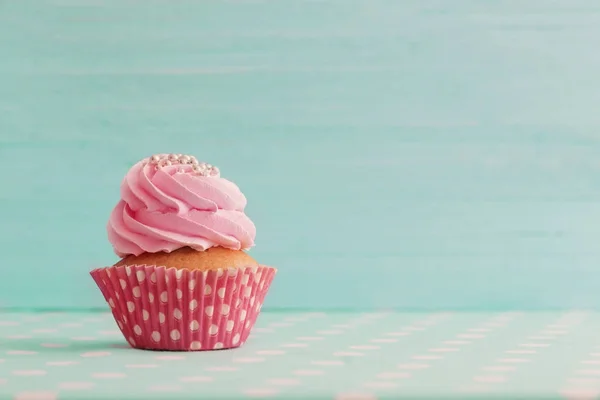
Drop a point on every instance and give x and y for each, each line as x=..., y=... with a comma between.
x=471, y=336
x=294, y=345
x=199, y=378
x=108, y=375
x=260, y=392
x=21, y=352
x=384, y=340
x=520, y=351
x=29, y=372
x=394, y=375
x=413, y=366
x=355, y=396
x=489, y=379
x=96, y=354
x=36, y=395
x=443, y=350
x=426, y=357
x=61, y=363
x=348, y=354
x=591, y=362
x=248, y=360
x=45, y=330
x=83, y=338
x=308, y=372
x=141, y=366
x=284, y=382
x=221, y=369
x=271, y=352
x=54, y=345
x=328, y=362
x=365, y=347
x=513, y=360
x=76, y=385
x=165, y=388
x=380, y=385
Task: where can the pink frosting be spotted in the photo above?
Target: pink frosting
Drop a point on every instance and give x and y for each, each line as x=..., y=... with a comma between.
x=169, y=208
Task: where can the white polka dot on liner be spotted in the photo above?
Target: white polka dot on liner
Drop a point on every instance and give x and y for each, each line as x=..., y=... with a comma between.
x=136, y=291
x=195, y=345
x=178, y=294
x=177, y=314
x=164, y=297
x=161, y=318
x=140, y=275
x=207, y=290
x=123, y=283
x=225, y=309
x=218, y=346
x=230, y=325
x=209, y=310
x=213, y=329
x=175, y=334
x=236, y=338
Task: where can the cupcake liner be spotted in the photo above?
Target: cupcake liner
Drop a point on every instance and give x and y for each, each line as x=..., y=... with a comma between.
x=159, y=308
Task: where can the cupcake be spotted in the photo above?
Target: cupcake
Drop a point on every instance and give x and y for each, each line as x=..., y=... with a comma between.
x=184, y=281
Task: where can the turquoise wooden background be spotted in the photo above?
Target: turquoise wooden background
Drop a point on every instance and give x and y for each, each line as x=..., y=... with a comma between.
x=408, y=154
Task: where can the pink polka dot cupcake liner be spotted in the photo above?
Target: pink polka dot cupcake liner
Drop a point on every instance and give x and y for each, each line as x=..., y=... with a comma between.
x=158, y=308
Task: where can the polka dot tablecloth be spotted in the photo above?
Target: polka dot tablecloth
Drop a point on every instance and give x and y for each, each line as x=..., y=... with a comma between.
x=312, y=356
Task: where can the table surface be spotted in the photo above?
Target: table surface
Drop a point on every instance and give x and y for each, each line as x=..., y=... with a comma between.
x=313, y=356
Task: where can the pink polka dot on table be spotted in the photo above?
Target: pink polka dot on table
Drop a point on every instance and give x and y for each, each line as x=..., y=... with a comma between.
x=292, y=345
x=456, y=342
x=593, y=372
x=76, y=385
x=260, y=392
x=309, y=338
x=164, y=388
x=443, y=350
x=397, y=334
x=381, y=385
x=9, y=323
x=29, y=372
x=19, y=337
x=45, y=330
x=284, y=382
x=83, y=338
x=36, y=395
x=330, y=332
x=96, y=354
x=580, y=393
x=535, y=345
x=248, y=360
x=199, y=378
x=109, y=375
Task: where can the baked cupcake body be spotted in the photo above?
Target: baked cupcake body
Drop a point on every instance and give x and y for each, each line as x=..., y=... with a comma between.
x=184, y=281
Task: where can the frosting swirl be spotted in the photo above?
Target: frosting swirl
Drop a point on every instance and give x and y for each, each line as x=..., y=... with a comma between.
x=166, y=208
